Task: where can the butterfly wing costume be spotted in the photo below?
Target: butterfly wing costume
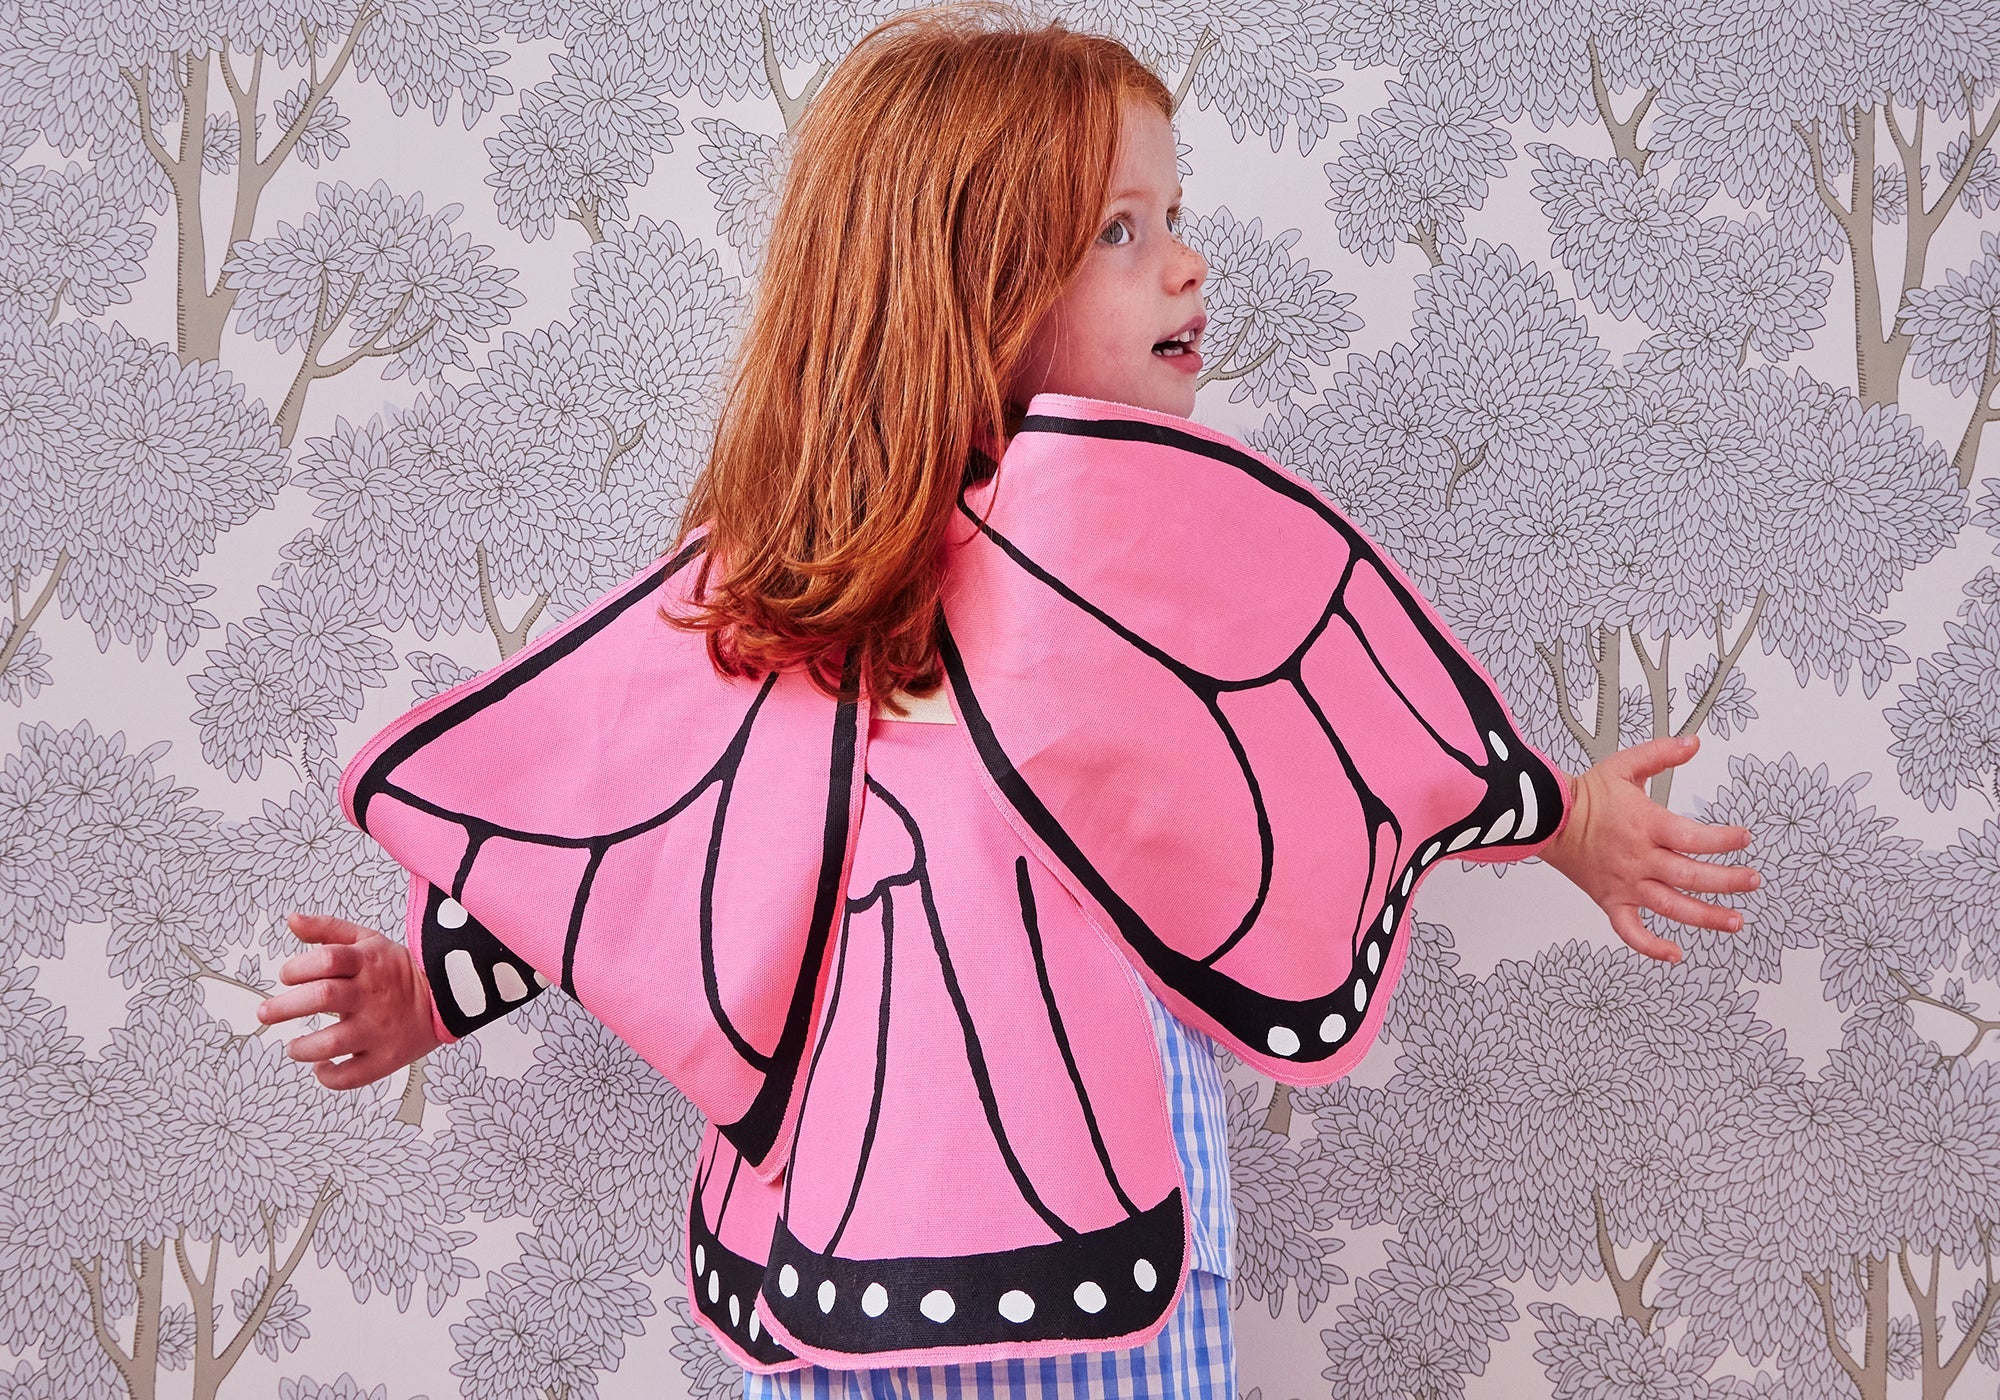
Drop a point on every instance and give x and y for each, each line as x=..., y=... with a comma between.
x=1209, y=737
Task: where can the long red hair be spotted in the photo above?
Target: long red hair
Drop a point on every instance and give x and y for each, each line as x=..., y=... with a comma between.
x=945, y=184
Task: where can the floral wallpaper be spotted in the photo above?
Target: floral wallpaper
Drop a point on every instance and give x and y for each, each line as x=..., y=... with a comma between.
x=344, y=344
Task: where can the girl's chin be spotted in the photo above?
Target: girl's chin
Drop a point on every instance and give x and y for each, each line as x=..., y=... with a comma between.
x=1177, y=399
x=1168, y=389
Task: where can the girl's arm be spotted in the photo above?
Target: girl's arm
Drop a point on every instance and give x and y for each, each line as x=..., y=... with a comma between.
x=371, y=983
x=1625, y=850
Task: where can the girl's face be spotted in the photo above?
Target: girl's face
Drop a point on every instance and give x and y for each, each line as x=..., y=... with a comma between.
x=1128, y=326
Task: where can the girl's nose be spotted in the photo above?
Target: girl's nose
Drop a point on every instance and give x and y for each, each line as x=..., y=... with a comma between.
x=1190, y=269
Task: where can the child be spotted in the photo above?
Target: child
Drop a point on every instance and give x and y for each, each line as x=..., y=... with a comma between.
x=975, y=258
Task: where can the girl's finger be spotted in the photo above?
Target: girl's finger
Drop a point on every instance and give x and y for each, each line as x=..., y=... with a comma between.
x=363, y=1068
x=332, y=960
x=340, y=1038
x=313, y=999
x=1625, y=922
x=284, y=1007
x=1688, y=834
x=323, y=928
x=1684, y=872
x=1685, y=909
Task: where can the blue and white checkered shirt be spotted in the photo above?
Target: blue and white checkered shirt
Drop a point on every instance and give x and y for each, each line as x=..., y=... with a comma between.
x=1198, y=1110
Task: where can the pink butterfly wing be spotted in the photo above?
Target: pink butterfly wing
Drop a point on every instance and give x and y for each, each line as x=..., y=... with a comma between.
x=731, y=1214
x=473, y=977
x=731, y=1209
x=983, y=1166
x=664, y=843
x=1265, y=735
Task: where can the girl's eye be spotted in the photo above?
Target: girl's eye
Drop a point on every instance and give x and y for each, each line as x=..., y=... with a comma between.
x=1123, y=225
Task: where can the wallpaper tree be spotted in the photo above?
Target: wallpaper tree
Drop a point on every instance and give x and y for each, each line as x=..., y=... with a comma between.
x=377, y=266
x=556, y=472
x=126, y=1172
x=161, y=100
x=1826, y=113
x=1572, y=1172
x=1656, y=1136
x=1560, y=510
x=594, y=1148
x=119, y=469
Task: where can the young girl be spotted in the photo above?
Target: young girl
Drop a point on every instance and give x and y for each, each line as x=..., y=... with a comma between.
x=976, y=257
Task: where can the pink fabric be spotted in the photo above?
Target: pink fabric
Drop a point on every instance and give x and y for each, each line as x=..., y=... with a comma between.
x=936, y=883
x=1208, y=735
x=597, y=826
x=1256, y=699
x=732, y=1206
x=932, y=1115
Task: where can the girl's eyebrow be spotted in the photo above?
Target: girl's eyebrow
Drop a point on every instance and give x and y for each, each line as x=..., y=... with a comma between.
x=1179, y=194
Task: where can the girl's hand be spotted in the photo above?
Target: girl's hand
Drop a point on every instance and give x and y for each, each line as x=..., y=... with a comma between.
x=371, y=984
x=1623, y=849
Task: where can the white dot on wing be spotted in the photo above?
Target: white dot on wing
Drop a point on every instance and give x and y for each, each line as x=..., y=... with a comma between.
x=507, y=981
x=462, y=974
x=1530, y=812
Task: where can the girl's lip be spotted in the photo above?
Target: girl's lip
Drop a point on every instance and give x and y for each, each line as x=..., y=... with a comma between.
x=1187, y=362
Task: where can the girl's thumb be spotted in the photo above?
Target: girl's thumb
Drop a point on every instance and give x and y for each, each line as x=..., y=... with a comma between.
x=1658, y=755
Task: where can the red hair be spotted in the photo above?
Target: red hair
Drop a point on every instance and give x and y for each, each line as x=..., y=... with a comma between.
x=946, y=183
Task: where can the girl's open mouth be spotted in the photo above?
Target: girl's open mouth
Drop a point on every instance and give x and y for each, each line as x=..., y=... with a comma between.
x=1180, y=347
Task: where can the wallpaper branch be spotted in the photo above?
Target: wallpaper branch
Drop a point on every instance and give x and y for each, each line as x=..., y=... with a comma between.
x=1625, y=393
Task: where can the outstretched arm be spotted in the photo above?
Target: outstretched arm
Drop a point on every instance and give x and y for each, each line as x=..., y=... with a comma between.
x=371, y=983
x=1624, y=850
